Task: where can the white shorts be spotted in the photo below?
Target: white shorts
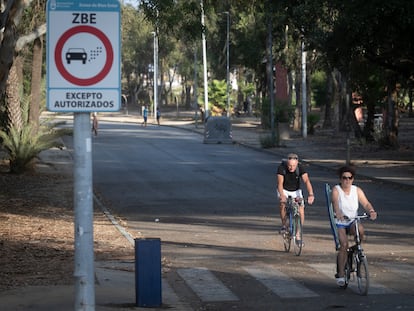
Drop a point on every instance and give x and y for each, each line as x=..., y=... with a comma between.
x=293, y=194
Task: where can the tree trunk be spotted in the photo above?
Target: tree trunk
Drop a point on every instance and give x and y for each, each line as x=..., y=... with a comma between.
x=8, y=41
x=391, y=120
x=36, y=83
x=6, y=55
x=369, y=123
x=188, y=96
x=13, y=87
x=336, y=100
x=411, y=97
x=298, y=109
x=327, y=122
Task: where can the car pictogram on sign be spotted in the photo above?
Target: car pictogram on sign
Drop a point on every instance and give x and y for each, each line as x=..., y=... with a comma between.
x=76, y=54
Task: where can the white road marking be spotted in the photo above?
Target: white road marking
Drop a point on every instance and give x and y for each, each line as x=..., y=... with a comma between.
x=169, y=297
x=279, y=283
x=206, y=285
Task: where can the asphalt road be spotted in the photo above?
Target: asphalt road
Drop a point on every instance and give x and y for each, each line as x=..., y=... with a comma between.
x=214, y=209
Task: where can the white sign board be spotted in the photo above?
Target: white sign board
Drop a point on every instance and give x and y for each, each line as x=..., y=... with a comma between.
x=83, y=55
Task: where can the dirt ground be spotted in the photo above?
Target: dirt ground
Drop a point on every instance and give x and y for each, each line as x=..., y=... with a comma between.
x=37, y=230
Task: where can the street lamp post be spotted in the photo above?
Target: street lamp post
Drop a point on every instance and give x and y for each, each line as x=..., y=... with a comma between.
x=228, y=62
x=203, y=37
x=304, y=99
x=155, y=73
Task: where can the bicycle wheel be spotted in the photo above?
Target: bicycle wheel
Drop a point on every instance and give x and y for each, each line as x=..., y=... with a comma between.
x=362, y=273
x=348, y=270
x=286, y=241
x=297, y=235
x=286, y=235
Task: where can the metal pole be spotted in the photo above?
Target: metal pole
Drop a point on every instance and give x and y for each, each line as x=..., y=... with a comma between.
x=84, y=258
x=195, y=87
x=155, y=74
x=206, y=111
x=304, y=100
x=228, y=63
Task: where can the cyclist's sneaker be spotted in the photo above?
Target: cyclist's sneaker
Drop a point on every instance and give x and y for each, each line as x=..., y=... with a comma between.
x=282, y=230
x=300, y=243
x=340, y=281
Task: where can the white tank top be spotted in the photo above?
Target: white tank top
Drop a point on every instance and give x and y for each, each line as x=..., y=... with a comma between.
x=348, y=203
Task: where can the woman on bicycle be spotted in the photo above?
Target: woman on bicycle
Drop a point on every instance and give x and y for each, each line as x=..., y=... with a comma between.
x=289, y=174
x=346, y=198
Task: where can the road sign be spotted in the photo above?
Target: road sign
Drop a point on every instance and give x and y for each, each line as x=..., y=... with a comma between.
x=83, y=56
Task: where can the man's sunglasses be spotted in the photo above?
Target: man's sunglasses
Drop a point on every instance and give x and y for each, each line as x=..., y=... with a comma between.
x=292, y=158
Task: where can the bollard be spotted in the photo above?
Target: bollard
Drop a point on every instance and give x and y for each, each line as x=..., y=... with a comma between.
x=148, y=272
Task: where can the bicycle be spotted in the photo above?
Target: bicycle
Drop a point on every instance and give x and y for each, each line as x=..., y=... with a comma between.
x=357, y=265
x=294, y=230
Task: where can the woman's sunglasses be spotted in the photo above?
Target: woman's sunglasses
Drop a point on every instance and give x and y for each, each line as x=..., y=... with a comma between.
x=347, y=177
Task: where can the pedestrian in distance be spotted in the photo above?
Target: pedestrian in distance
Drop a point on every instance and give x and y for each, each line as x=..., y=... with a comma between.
x=95, y=124
x=346, y=198
x=290, y=173
x=145, y=116
x=158, y=116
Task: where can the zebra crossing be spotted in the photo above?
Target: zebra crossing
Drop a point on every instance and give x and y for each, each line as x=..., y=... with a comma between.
x=278, y=282
x=209, y=288
x=206, y=285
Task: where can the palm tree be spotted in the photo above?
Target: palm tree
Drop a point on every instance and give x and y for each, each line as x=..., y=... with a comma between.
x=23, y=138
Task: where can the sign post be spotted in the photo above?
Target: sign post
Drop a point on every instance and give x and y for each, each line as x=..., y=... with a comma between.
x=83, y=76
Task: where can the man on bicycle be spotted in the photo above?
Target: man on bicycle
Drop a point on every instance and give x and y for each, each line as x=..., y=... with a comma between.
x=346, y=198
x=289, y=174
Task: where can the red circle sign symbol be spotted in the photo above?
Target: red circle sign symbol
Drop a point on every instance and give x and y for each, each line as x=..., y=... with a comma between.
x=109, y=56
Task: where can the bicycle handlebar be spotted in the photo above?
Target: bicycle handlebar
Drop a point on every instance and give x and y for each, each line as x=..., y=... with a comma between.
x=359, y=217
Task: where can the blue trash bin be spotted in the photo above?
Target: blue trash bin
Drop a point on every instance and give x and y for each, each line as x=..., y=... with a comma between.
x=148, y=272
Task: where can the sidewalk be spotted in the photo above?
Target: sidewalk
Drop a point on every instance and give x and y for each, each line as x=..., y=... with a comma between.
x=115, y=281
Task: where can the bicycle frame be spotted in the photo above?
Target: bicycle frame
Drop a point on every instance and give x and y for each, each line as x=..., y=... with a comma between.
x=295, y=225
x=356, y=266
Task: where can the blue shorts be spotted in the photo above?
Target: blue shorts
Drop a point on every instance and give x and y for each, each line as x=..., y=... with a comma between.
x=345, y=225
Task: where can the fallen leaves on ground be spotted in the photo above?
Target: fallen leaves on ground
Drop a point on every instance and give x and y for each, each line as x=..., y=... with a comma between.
x=37, y=231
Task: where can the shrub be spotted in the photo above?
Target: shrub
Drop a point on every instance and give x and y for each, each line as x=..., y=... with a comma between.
x=23, y=145
x=267, y=141
x=25, y=141
x=283, y=112
x=313, y=119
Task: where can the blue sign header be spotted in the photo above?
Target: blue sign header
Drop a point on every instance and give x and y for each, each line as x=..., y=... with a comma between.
x=84, y=5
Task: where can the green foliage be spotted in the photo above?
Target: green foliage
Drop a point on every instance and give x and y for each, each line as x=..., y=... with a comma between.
x=283, y=112
x=247, y=89
x=218, y=94
x=319, y=90
x=378, y=36
x=312, y=120
x=23, y=147
x=137, y=50
x=24, y=144
x=268, y=141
